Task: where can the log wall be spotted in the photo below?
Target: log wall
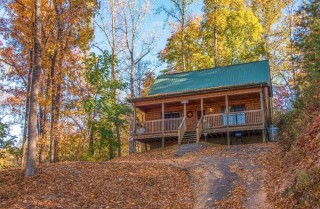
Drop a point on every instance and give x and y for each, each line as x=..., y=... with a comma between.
x=155, y=114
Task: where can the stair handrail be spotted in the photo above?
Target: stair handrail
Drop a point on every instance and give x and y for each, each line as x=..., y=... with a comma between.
x=181, y=130
x=199, y=128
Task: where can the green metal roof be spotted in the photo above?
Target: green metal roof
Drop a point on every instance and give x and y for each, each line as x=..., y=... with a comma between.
x=213, y=78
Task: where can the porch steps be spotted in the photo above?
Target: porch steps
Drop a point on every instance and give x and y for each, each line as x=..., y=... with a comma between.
x=189, y=137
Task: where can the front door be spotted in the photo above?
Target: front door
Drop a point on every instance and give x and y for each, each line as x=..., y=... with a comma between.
x=191, y=120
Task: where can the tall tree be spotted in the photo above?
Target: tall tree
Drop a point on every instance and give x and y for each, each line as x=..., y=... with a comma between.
x=35, y=86
x=111, y=34
x=109, y=9
x=229, y=34
x=100, y=104
x=307, y=39
x=180, y=12
x=26, y=116
x=194, y=49
x=136, y=47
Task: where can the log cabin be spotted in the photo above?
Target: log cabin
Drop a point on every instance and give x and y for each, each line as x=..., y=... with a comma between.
x=189, y=107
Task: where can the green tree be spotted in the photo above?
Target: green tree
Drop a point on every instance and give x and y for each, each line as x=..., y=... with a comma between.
x=232, y=33
x=308, y=41
x=8, y=152
x=179, y=12
x=194, y=55
x=229, y=33
x=105, y=112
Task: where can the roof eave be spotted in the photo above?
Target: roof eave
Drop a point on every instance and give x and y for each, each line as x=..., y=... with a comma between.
x=156, y=96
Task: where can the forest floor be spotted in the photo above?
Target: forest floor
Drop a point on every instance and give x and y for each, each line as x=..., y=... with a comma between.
x=186, y=176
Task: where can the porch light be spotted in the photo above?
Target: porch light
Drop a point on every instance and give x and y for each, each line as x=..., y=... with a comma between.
x=210, y=109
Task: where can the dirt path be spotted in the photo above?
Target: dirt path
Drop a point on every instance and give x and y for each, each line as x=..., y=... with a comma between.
x=228, y=177
x=223, y=177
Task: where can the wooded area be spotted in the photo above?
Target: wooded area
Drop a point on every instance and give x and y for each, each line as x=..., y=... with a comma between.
x=67, y=67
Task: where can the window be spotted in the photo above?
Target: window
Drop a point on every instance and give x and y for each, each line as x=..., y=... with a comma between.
x=237, y=108
x=234, y=108
x=171, y=115
x=235, y=115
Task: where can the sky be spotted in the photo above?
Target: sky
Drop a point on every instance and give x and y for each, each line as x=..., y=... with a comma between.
x=159, y=20
x=155, y=23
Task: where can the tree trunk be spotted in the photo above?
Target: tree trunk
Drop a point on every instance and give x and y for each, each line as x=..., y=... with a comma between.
x=111, y=151
x=182, y=36
x=215, y=52
x=52, y=119
x=91, y=149
x=119, y=139
x=132, y=74
x=291, y=53
x=56, y=122
x=32, y=130
x=26, y=117
x=41, y=131
x=215, y=39
x=45, y=122
x=56, y=86
x=113, y=71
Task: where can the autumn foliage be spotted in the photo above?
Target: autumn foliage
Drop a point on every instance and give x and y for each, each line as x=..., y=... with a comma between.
x=294, y=169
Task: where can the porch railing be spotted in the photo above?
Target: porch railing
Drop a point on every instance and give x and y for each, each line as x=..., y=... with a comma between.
x=181, y=130
x=245, y=118
x=155, y=126
x=199, y=128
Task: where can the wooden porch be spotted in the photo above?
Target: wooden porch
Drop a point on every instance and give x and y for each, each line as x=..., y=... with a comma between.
x=203, y=116
x=212, y=123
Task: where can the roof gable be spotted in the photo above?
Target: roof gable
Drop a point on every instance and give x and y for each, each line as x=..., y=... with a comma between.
x=213, y=78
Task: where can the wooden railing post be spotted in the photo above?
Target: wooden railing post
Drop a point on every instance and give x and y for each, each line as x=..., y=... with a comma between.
x=199, y=128
x=227, y=116
x=181, y=129
x=201, y=107
x=134, y=120
x=262, y=116
x=162, y=123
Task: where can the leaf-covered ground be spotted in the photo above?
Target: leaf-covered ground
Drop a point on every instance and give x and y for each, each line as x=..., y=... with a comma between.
x=187, y=176
x=94, y=185
x=293, y=178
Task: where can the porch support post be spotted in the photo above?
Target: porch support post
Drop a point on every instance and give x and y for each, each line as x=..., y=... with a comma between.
x=134, y=145
x=263, y=116
x=133, y=131
x=227, y=119
x=162, y=123
x=134, y=120
x=201, y=107
x=184, y=110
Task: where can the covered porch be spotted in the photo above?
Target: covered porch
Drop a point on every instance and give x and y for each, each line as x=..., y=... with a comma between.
x=205, y=115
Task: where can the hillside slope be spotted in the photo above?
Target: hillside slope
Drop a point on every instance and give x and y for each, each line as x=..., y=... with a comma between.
x=187, y=176
x=294, y=171
x=97, y=185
